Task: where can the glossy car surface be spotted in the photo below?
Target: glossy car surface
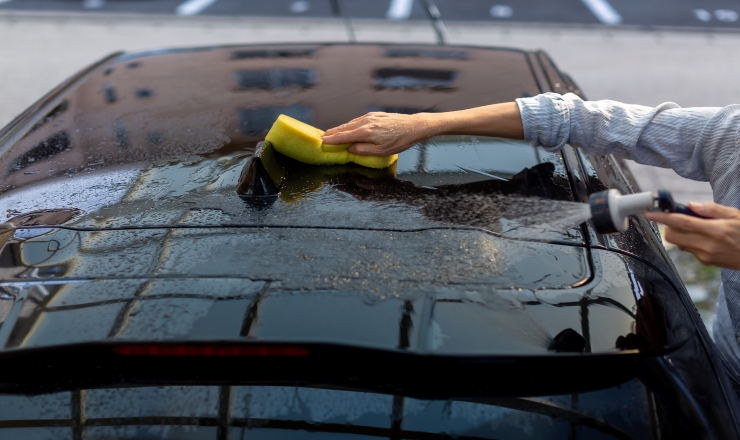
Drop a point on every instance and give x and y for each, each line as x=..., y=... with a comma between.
x=142, y=297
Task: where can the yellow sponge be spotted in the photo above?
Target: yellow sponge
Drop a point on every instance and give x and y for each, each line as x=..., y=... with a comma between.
x=302, y=142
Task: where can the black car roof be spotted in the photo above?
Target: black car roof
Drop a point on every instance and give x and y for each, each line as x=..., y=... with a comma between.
x=166, y=133
x=129, y=185
x=172, y=104
x=125, y=236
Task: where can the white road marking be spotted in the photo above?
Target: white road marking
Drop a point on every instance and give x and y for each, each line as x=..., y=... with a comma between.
x=399, y=10
x=501, y=11
x=727, y=15
x=300, y=7
x=193, y=7
x=703, y=14
x=603, y=11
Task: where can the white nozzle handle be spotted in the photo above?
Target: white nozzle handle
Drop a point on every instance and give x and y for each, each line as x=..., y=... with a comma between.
x=622, y=207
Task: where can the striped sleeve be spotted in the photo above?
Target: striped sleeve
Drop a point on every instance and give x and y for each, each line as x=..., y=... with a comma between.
x=696, y=142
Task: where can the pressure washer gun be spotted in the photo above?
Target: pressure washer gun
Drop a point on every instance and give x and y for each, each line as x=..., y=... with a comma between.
x=610, y=209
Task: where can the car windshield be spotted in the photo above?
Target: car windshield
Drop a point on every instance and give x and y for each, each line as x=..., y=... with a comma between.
x=283, y=412
x=452, y=181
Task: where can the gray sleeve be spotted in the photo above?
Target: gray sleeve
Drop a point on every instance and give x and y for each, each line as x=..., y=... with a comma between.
x=695, y=142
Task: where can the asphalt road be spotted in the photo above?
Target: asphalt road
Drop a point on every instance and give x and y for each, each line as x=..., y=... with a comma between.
x=676, y=13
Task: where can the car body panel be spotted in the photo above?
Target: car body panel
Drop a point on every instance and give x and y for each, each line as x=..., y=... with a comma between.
x=436, y=184
x=319, y=258
x=124, y=227
x=133, y=109
x=399, y=307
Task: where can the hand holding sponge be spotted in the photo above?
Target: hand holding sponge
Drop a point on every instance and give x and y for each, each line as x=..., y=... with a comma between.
x=302, y=142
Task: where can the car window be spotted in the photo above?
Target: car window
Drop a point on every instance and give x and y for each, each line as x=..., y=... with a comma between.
x=453, y=181
x=280, y=412
x=462, y=159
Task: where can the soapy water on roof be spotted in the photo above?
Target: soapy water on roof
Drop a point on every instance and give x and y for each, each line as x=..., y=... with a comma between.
x=500, y=206
x=487, y=210
x=556, y=213
x=88, y=193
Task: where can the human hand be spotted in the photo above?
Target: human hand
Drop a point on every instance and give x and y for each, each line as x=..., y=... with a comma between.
x=381, y=134
x=715, y=241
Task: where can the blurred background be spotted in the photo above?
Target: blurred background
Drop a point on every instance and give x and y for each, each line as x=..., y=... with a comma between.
x=637, y=51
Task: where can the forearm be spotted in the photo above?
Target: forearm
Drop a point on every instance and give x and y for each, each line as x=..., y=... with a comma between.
x=500, y=120
x=600, y=127
x=381, y=134
x=687, y=140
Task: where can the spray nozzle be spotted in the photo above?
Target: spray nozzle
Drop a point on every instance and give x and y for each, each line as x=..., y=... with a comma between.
x=610, y=209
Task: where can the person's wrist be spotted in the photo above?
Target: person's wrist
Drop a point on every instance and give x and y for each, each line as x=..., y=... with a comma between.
x=431, y=124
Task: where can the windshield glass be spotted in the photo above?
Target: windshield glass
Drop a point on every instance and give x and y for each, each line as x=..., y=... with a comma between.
x=272, y=412
x=454, y=181
x=206, y=286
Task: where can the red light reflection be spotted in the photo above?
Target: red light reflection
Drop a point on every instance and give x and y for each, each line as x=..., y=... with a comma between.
x=211, y=350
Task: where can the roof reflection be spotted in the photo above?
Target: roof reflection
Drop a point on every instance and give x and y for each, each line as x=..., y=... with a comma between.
x=393, y=78
x=182, y=101
x=272, y=53
x=275, y=78
x=46, y=149
x=428, y=53
x=256, y=121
